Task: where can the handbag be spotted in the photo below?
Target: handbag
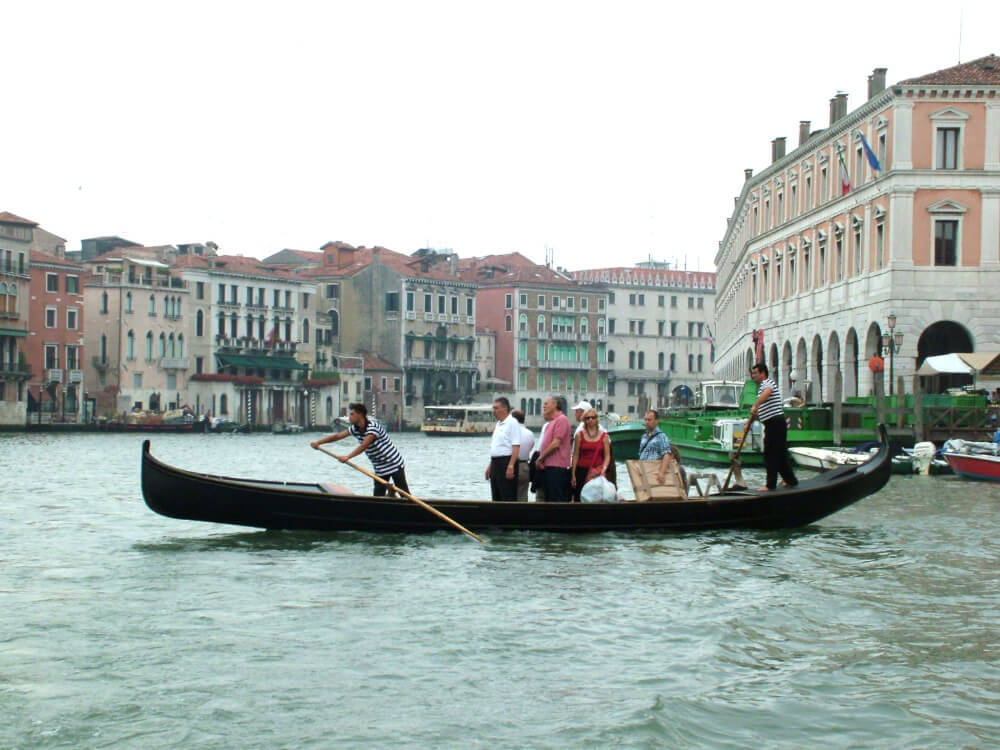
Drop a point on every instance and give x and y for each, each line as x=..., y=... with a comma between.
x=531, y=471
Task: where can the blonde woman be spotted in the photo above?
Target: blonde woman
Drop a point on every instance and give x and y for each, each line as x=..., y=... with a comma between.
x=591, y=453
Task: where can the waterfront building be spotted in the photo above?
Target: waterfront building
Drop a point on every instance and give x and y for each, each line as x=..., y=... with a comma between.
x=659, y=334
x=383, y=390
x=16, y=235
x=55, y=347
x=890, y=216
x=250, y=333
x=135, y=335
x=551, y=334
x=414, y=310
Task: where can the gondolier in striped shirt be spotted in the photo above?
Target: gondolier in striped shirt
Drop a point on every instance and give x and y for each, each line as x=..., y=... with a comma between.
x=768, y=409
x=386, y=459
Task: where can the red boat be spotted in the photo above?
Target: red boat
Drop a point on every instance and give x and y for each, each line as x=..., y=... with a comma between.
x=974, y=466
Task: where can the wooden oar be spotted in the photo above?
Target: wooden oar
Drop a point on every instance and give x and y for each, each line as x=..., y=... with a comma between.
x=407, y=495
x=736, y=458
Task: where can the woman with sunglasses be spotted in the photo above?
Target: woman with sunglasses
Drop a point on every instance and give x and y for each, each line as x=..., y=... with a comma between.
x=591, y=453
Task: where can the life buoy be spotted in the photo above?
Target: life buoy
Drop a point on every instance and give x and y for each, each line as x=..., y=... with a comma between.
x=876, y=364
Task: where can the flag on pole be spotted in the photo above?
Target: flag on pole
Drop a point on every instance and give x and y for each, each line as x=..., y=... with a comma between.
x=845, y=178
x=872, y=159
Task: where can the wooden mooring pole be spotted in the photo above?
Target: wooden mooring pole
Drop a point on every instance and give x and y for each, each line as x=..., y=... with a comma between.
x=838, y=406
x=918, y=409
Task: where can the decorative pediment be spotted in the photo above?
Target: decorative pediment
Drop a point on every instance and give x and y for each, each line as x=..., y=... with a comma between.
x=778, y=182
x=856, y=220
x=807, y=166
x=879, y=212
x=806, y=241
x=946, y=206
x=881, y=123
x=777, y=255
x=950, y=114
x=766, y=190
x=754, y=198
x=823, y=158
x=820, y=235
x=838, y=228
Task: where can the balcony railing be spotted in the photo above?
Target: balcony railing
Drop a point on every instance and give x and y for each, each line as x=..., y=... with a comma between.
x=543, y=334
x=552, y=364
x=15, y=371
x=53, y=376
x=76, y=376
x=602, y=338
x=175, y=363
x=605, y=366
x=564, y=335
x=524, y=363
x=440, y=364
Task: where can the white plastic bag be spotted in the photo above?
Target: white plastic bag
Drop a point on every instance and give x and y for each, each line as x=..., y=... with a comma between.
x=598, y=490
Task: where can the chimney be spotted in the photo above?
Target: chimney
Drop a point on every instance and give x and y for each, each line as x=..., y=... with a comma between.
x=345, y=255
x=803, y=131
x=841, y=105
x=876, y=82
x=747, y=174
x=833, y=111
x=777, y=149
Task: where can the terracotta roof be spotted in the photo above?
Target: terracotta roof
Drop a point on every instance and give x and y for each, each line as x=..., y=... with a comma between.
x=511, y=269
x=984, y=71
x=8, y=218
x=234, y=264
x=375, y=362
x=37, y=256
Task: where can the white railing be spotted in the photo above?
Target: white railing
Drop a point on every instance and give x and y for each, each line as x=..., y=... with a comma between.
x=76, y=376
x=54, y=376
x=175, y=363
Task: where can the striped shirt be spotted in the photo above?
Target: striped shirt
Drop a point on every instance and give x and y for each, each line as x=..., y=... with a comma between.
x=772, y=407
x=385, y=458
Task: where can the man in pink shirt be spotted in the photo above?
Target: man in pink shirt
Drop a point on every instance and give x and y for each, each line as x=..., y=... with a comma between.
x=555, y=453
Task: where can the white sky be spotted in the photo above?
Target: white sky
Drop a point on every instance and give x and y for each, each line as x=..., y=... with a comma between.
x=611, y=132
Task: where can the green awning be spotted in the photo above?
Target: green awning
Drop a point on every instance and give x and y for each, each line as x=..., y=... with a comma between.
x=261, y=363
x=12, y=332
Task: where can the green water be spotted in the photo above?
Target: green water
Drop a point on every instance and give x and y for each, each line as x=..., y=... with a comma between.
x=119, y=628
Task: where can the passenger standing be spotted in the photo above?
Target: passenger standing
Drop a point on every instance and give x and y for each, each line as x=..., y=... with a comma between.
x=554, y=453
x=591, y=453
x=579, y=411
x=502, y=469
x=387, y=461
x=654, y=445
x=523, y=455
x=767, y=408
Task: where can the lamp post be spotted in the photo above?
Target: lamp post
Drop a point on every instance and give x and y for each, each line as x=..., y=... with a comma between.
x=892, y=342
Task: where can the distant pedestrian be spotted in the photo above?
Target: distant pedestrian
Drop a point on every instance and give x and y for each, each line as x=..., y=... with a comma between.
x=523, y=455
x=504, y=450
x=767, y=408
x=387, y=461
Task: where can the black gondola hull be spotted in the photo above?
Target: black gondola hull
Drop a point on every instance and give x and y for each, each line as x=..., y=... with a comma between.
x=293, y=506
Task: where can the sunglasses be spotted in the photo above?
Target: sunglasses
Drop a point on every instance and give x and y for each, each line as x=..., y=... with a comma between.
x=588, y=418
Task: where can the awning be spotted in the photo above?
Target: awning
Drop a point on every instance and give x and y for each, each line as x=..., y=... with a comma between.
x=149, y=263
x=261, y=363
x=12, y=332
x=961, y=363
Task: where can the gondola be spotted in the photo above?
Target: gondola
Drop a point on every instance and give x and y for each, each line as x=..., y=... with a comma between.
x=299, y=506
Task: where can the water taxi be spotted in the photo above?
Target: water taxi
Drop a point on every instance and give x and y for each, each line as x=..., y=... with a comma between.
x=458, y=420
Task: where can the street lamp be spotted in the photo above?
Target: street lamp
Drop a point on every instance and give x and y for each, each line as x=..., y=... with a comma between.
x=892, y=342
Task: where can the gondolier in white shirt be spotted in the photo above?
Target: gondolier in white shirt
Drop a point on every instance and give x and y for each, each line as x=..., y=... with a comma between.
x=387, y=461
x=768, y=409
x=504, y=450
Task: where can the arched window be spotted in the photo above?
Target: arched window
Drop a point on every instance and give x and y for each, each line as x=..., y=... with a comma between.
x=522, y=379
x=611, y=356
x=249, y=326
x=222, y=325
x=152, y=305
x=104, y=302
x=506, y=323
x=701, y=362
x=3, y=297
x=149, y=346
x=673, y=363
x=522, y=323
x=305, y=331
x=524, y=405
x=130, y=345
x=128, y=302
x=233, y=323
x=538, y=406
x=223, y=404
x=334, y=323
x=104, y=347
x=166, y=306
x=583, y=326
x=541, y=324
x=163, y=345
x=690, y=363
x=329, y=409
x=172, y=347
x=642, y=360
x=659, y=361
x=180, y=344
x=631, y=360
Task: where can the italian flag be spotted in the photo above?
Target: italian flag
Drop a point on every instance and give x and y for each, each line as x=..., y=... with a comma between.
x=845, y=178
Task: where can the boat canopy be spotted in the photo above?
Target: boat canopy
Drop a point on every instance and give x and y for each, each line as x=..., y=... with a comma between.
x=961, y=363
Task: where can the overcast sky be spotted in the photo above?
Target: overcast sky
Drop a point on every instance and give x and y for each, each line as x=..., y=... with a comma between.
x=609, y=132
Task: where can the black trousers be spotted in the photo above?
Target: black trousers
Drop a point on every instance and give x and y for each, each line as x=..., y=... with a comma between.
x=556, y=482
x=776, y=459
x=501, y=487
x=398, y=478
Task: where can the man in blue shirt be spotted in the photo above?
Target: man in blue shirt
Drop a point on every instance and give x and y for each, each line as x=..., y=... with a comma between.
x=654, y=445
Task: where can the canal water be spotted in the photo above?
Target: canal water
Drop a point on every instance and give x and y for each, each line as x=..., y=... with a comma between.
x=877, y=627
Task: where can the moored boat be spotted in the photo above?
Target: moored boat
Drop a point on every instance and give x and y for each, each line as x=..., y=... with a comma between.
x=973, y=460
x=179, y=493
x=458, y=420
x=822, y=459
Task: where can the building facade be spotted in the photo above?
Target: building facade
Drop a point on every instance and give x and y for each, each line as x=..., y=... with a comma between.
x=659, y=334
x=55, y=347
x=551, y=331
x=887, y=219
x=16, y=234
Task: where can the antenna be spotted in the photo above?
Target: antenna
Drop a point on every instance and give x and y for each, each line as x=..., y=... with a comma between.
x=549, y=256
x=961, y=12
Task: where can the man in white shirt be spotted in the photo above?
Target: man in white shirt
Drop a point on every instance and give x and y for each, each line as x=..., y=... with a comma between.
x=504, y=448
x=523, y=455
